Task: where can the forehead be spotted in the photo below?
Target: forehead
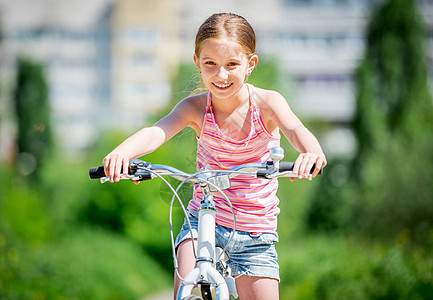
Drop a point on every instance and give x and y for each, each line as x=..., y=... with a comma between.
x=221, y=47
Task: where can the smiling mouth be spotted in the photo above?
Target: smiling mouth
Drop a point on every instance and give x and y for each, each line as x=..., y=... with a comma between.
x=222, y=86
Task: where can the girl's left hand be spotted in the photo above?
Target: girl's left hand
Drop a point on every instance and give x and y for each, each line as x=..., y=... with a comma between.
x=304, y=163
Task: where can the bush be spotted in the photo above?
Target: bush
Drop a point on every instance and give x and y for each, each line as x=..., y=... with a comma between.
x=336, y=267
x=84, y=264
x=45, y=253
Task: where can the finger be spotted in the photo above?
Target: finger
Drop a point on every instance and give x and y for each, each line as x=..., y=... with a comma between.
x=111, y=169
x=303, y=171
x=125, y=166
x=105, y=163
x=317, y=167
x=117, y=170
x=324, y=163
x=309, y=167
x=320, y=164
x=297, y=164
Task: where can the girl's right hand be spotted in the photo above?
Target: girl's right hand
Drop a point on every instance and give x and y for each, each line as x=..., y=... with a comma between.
x=114, y=165
x=305, y=162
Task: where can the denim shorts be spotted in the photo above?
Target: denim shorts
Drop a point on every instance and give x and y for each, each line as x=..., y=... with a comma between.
x=251, y=254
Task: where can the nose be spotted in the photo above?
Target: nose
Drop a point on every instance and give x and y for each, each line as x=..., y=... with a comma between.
x=222, y=73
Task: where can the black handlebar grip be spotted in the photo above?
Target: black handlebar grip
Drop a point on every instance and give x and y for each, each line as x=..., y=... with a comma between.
x=96, y=172
x=288, y=166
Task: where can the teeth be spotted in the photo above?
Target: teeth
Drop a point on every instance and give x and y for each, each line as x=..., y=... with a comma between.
x=222, y=85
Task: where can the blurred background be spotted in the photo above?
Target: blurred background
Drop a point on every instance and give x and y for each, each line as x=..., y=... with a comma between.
x=78, y=77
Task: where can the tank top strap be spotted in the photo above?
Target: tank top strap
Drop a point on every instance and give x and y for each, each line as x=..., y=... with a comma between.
x=250, y=89
x=209, y=103
x=255, y=111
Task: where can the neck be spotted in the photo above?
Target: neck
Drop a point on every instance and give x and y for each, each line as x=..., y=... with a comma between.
x=229, y=104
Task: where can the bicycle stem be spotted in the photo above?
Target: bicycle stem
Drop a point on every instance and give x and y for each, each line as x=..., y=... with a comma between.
x=206, y=238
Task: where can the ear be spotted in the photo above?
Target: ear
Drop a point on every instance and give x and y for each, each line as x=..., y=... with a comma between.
x=197, y=62
x=252, y=64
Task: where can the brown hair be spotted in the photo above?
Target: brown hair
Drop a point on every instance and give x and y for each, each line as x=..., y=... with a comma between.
x=228, y=25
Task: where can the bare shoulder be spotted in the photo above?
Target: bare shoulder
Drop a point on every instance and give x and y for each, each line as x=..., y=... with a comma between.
x=195, y=101
x=270, y=101
x=192, y=110
x=275, y=111
x=193, y=105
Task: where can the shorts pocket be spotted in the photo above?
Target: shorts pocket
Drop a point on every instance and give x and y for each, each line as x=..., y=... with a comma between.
x=264, y=237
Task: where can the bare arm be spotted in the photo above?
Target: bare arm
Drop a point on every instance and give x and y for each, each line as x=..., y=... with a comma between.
x=280, y=115
x=151, y=138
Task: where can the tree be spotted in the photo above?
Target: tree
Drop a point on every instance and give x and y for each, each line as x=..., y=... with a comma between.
x=393, y=100
x=34, y=138
x=390, y=192
x=393, y=124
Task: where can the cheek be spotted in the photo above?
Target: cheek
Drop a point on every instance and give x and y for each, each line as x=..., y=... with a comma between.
x=205, y=73
x=209, y=71
x=242, y=73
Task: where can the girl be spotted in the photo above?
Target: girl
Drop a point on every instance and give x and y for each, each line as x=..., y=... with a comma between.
x=235, y=123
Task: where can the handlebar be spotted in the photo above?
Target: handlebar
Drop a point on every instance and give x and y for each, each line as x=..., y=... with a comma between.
x=97, y=172
x=215, y=180
x=140, y=170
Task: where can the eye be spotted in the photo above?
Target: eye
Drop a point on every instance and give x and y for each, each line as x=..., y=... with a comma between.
x=232, y=64
x=211, y=63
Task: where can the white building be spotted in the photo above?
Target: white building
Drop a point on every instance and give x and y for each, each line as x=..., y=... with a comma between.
x=75, y=52
x=105, y=62
x=109, y=63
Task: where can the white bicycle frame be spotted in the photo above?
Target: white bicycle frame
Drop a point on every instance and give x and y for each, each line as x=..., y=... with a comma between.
x=205, y=271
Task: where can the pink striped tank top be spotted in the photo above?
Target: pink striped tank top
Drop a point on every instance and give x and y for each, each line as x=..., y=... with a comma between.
x=254, y=199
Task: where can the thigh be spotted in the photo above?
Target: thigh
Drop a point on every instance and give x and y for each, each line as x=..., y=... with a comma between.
x=186, y=262
x=185, y=257
x=255, y=288
x=184, y=250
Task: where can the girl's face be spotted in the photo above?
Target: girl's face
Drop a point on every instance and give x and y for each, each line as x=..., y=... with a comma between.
x=223, y=66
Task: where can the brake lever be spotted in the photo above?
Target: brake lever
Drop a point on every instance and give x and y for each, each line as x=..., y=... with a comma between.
x=122, y=177
x=138, y=176
x=286, y=174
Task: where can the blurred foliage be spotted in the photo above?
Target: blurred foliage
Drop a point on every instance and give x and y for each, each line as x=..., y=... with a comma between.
x=394, y=122
x=269, y=75
x=376, y=210
x=45, y=253
x=337, y=267
x=34, y=138
x=389, y=189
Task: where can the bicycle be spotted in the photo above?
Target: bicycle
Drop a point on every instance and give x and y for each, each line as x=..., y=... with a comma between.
x=212, y=274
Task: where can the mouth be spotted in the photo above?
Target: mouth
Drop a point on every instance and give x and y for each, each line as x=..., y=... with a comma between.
x=222, y=86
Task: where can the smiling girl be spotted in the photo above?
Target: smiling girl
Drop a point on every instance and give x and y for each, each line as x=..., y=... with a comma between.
x=235, y=123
